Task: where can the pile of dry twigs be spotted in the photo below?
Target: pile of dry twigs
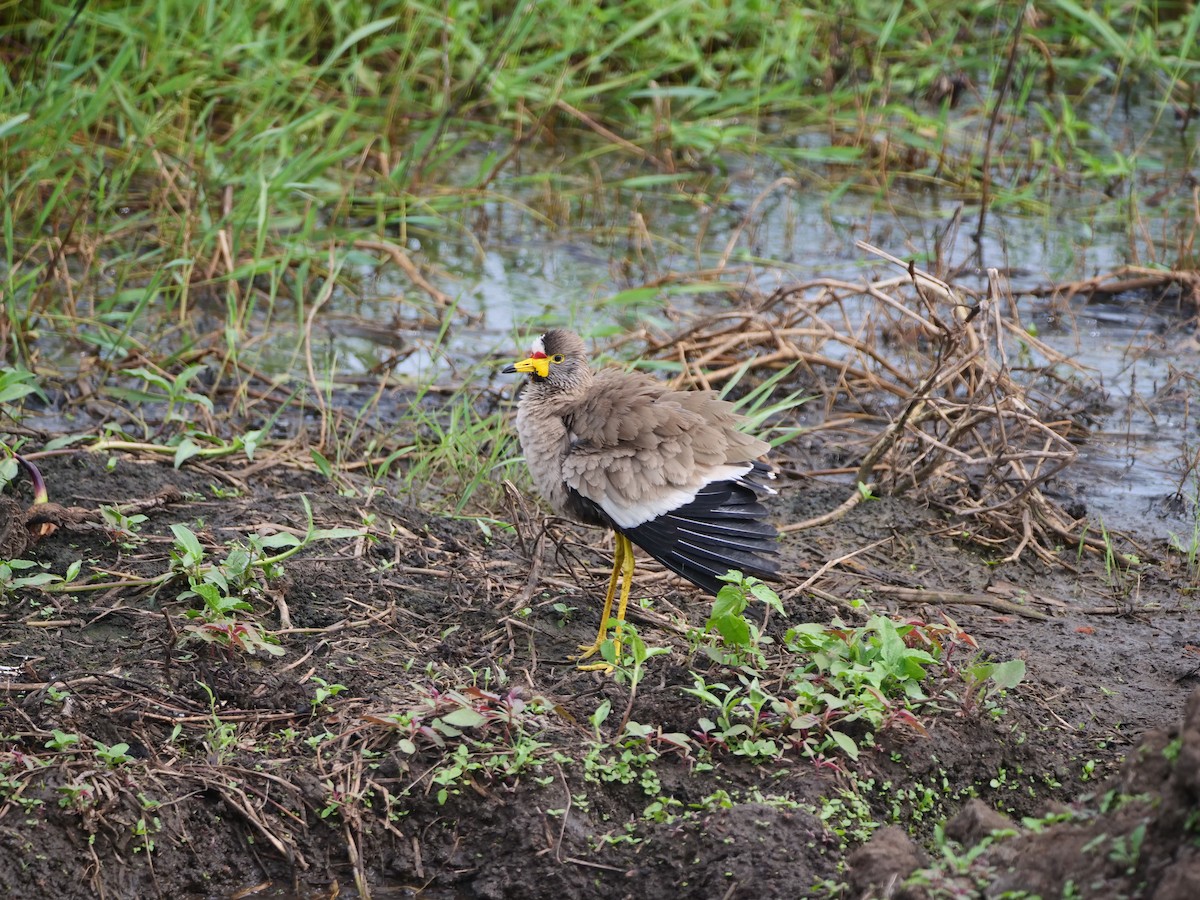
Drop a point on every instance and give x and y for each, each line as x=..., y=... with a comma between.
x=927, y=388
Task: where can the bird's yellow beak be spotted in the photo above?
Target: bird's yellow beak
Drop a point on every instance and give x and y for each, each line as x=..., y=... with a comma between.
x=534, y=365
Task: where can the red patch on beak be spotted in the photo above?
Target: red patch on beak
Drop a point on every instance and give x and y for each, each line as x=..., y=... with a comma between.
x=537, y=354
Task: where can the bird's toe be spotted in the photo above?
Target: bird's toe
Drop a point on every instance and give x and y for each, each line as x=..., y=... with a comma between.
x=604, y=667
x=587, y=651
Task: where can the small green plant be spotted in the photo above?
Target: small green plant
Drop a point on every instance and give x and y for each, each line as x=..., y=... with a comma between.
x=745, y=718
x=847, y=817
x=986, y=681
x=1121, y=570
x=634, y=654
x=868, y=677
x=13, y=581
x=55, y=694
x=116, y=755
x=741, y=642
x=223, y=588
x=477, y=734
x=221, y=738
x=324, y=692
x=143, y=829
x=334, y=801
x=16, y=384
x=175, y=392
x=77, y=795
x=62, y=741
x=762, y=406
x=1171, y=751
x=121, y=527
x=846, y=684
x=1126, y=849
x=627, y=760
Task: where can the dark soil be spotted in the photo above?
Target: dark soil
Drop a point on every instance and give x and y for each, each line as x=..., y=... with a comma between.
x=251, y=773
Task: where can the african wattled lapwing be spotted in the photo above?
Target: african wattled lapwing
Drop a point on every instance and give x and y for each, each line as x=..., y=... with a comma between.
x=667, y=470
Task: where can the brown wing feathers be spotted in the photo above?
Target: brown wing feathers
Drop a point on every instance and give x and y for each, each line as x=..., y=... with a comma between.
x=668, y=469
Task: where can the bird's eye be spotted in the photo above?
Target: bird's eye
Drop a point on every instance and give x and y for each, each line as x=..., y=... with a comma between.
x=557, y=358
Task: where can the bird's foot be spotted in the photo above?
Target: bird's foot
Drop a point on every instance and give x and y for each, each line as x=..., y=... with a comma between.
x=596, y=667
x=586, y=651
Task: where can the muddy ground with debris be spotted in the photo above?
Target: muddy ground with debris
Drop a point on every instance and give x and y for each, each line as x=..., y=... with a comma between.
x=317, y=771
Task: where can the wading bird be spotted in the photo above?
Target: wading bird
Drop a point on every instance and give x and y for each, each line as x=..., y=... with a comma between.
x=667, y=470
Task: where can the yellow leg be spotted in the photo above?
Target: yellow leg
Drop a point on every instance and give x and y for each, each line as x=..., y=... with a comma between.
x=587, y=650
x=626, y=585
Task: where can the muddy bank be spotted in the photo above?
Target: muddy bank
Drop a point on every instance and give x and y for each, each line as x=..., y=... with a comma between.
x=424, y=733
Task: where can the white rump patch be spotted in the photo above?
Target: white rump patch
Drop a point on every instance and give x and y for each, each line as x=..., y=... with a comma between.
x=631, y=515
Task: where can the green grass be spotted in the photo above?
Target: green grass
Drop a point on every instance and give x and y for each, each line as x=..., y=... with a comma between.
x=185, y=182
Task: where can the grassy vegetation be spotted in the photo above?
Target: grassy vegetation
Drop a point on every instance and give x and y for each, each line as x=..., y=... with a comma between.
x=182, y=179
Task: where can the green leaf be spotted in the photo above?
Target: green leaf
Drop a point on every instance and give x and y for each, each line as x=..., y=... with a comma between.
x=891, y=645
x=1008, y=675
x=186, y=450
x=182, y=379
x=730, y=601
x=845, y=743
x=601, y=713
x=322, y=463
x=238, y=561
x=464, y=717
x=336, y=534
x=189, y=545
x=765, y=594
x=198, y=399
x=280, y=541
x=733, y=629
x=250, y=442
x=11, y=392
x=152, y=378
x=66, y=440
x=12, y=124
x=39, y=579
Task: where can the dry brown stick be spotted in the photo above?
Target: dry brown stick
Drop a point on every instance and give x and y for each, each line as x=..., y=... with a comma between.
x=228, y=793
x=889, y=301
x=844, y=605
x=1128, y=278
x=934, y=598
x=851, y=501
x=612, y=136
x=401, y=259
x=892, y=433
x=323, y=295
x=841, y=559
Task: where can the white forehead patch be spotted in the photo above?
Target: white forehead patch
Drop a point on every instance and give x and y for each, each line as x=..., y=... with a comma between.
x=539, y=344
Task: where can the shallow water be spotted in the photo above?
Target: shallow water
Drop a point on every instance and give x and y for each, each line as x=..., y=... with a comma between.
x=512, y=274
